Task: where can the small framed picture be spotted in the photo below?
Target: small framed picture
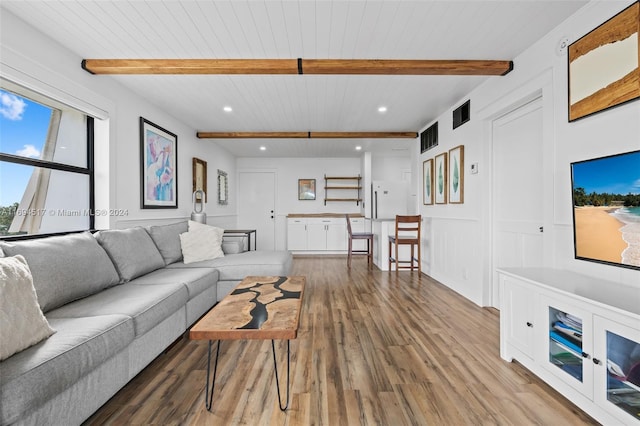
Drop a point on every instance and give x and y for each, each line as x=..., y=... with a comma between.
x=440, y=178
x=427, y=182
x=306, y=189
x=199, y=169
x=456, y=175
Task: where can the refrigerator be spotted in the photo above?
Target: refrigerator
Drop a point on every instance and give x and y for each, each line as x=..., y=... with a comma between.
x=389, y=198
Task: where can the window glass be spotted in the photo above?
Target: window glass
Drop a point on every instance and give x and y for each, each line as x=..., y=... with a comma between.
x=45, y=184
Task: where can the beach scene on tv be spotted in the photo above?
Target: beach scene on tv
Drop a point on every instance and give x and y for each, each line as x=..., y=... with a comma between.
x=606, y=199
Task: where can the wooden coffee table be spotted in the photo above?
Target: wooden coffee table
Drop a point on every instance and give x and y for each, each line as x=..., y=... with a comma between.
x=260, y=308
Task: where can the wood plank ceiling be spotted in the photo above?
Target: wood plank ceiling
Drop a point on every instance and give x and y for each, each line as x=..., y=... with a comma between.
x=284, y=29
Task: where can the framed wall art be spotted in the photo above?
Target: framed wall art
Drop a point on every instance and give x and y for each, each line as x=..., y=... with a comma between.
x=427, y=182
x=456, y=175
x=199, y=169
x=603, y=65
x=223, y=188
x=440, y=178
x=158, y=167
x=306, y=189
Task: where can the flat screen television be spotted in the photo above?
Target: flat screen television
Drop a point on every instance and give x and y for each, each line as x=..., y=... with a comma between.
x=606, y=209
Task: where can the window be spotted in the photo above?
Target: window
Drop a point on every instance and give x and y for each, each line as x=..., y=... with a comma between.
x=46, y=165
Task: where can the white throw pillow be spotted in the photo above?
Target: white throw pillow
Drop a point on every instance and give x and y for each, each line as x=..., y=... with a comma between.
x=202, y=242
x=22, y=323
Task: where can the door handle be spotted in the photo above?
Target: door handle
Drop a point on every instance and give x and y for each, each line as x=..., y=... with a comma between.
x=541, y=229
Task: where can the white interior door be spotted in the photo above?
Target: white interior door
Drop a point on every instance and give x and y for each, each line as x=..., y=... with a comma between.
x=256, y=206
x=518, y=201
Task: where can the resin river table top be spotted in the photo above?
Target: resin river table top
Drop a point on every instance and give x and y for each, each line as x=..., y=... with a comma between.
x=260, y=307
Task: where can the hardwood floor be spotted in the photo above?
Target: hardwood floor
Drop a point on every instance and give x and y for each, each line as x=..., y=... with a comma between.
x=373, y=348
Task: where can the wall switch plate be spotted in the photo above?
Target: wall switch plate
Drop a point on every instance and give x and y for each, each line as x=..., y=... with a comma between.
x=474, y=168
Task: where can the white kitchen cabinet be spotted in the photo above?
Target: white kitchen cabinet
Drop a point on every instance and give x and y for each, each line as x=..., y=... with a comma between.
x=296, y=234
x=317, y=234
x=584, y=338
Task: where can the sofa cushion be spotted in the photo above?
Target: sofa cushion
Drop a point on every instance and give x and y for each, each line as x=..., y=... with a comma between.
x=30, y=378
x=202, y=242
x=167, y=239
x=22, y=323
x=196, y=280
x=132, y=251
x=235, y=267
x=148, y=305
x=65, y=268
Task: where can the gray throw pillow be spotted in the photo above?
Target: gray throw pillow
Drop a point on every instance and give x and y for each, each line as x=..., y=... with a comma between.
x=167, y=239
x=65, y=268
x=132, y=251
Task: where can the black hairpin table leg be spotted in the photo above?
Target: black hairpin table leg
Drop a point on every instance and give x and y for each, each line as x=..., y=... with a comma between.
x=208, y=398
x=275, y=365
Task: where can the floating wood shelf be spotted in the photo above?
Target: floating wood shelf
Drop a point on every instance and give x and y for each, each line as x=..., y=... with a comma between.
x=356, y=188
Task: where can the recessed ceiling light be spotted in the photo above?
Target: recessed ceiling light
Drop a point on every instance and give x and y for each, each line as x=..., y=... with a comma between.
x=358, y=148
x=227, y=109
x=263, y=148
x=382, y=109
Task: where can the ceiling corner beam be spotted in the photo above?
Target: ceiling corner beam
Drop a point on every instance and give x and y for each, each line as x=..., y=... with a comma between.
x=298, y=66
x=307, y=135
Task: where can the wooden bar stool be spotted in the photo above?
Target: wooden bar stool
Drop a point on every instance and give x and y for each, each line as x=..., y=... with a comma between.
x=359, y=236
x=407, y=233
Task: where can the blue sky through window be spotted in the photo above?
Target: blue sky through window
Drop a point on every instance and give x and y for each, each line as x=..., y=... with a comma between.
x=23, y=130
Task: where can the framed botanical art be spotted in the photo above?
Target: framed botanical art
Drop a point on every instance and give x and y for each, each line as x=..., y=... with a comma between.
x=427, y=182
x=223, y=188
x=440, y=178
x=604, y=69
x=306, y=189
x=456, y=175
x=158, y=167
x=199, y=177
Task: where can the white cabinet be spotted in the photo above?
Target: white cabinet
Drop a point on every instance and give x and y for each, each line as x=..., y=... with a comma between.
x=568, y=349
x=317, y=234
x=616, y=361
x=579, y=334
x=517, y=306
x=297, y=234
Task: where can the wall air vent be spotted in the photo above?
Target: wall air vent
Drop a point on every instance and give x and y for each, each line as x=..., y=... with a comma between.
x=462, y=114
x=429, y=138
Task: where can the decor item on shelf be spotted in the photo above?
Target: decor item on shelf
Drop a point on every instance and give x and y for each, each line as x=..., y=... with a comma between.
x=198, y=214
x=456, y=175
x=223, y=188
x=440, y=178
x=427, y=182
x=158, y=168
x=199, y=170
x=357, y=188
x=603, y=65
x=306, y=189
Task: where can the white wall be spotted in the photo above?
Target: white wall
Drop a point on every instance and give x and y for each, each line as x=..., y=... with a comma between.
x=30, y=58
x=458, y=237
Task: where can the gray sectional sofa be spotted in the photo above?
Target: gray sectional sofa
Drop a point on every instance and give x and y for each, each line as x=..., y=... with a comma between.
x=117, y=299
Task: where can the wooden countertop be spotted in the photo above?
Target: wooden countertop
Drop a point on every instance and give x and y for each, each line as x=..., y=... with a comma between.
x=324, y=215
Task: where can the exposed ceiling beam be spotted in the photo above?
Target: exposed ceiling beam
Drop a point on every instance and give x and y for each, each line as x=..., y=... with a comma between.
x=297, y=66
x=306, y=135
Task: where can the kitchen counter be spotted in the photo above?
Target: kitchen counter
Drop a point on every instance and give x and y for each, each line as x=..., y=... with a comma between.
x=324, y=215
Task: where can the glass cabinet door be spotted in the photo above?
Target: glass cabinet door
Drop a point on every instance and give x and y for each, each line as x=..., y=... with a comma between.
x=568, y=348
x=617, y=369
